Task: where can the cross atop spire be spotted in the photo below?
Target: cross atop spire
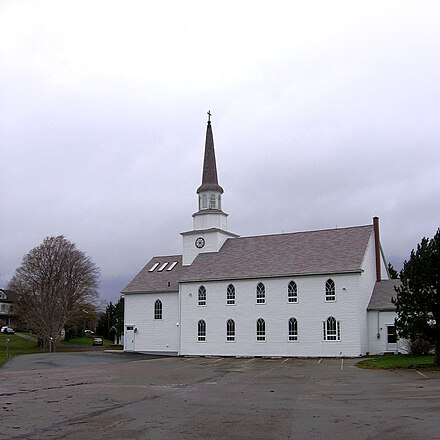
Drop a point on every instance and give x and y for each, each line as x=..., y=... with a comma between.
x=209, y=177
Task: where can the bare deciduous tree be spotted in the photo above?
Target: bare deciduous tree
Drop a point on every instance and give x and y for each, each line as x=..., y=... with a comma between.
x=52, y=284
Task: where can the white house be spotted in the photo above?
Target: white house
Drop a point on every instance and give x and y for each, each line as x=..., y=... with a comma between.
x=314, y=293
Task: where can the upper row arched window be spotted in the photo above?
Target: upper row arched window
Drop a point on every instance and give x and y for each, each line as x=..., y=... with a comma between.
x=330, y=290
x=230, y=295
x=202, y=296
x=261, y=293
x=158, y=309
x=292, y=292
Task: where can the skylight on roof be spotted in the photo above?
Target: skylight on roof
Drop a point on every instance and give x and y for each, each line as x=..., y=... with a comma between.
x=172, y=265
x=161, y=268
x=153, y=267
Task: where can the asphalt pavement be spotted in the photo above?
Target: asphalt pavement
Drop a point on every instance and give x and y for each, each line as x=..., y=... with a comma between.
x=119, y=396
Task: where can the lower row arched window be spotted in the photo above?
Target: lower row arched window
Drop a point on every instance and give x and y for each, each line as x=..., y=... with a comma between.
x=261, y=329
x=230, y=330
x=331, y=329
x=201, y=331
x=293, y=329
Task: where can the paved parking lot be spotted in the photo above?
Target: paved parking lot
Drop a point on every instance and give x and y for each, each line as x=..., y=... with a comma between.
x=138, y=397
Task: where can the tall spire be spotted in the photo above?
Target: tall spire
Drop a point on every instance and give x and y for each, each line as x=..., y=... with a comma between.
x=209, y=178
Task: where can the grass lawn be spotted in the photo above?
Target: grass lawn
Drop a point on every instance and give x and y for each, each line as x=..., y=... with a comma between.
x=17, y=346
x=399, y=361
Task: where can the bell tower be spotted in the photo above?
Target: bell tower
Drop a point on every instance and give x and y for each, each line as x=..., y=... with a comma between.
x=209, y=222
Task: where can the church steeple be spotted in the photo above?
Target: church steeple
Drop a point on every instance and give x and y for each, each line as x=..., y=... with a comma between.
x=210, y=228
x=209, y=177
x=210, y=192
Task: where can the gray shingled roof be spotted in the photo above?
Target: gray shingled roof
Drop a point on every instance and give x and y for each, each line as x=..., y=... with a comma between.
x=382, y=293
x=300, y=253
x=165, y=281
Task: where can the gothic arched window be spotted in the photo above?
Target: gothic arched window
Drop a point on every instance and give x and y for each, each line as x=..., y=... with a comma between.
x=330, y=291
x=292, y=292
x=202, y=296
x=261, y=293
x=261, y=330
x=158, y=309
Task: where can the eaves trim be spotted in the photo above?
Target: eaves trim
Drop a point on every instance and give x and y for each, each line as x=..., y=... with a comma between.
x=285, y=275
x=124, y=292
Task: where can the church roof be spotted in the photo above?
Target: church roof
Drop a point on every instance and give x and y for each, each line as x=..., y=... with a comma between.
x=157, y=276
x=209, y=177
x=301, y=253
x=382, y=293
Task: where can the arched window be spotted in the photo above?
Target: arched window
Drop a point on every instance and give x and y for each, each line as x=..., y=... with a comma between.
x=230, y=295
x=158, y=309
x=204, y=201
x=261, y=330
x=261, y=293
x=230, y=330
x=202, y=296
x=330, y=291
x=292, y=292
x=331, y=329
x=293, y=329
x=212, y=201
x=201, y=331
x=219, y=202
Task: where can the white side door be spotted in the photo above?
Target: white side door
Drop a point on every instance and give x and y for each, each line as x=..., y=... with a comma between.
x=391, y=338
x=129, y=338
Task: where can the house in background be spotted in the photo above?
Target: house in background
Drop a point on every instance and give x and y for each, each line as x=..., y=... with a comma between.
x=313, y=293
x=7, y=305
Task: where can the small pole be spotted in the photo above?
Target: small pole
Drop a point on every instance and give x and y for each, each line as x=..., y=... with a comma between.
x=7, y=348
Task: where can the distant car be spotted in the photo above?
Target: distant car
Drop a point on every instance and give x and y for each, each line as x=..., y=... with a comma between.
x=8, y=330
x=97, y=341
x=89, y=332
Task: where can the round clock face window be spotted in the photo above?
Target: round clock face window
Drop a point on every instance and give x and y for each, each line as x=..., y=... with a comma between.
x=200, y=242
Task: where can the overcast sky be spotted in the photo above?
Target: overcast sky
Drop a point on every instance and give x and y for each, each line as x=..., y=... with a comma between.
x=325, y=114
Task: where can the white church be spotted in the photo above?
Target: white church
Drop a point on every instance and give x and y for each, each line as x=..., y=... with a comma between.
x=305, y=294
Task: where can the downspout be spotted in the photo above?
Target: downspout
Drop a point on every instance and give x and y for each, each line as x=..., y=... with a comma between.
x=378, y=325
